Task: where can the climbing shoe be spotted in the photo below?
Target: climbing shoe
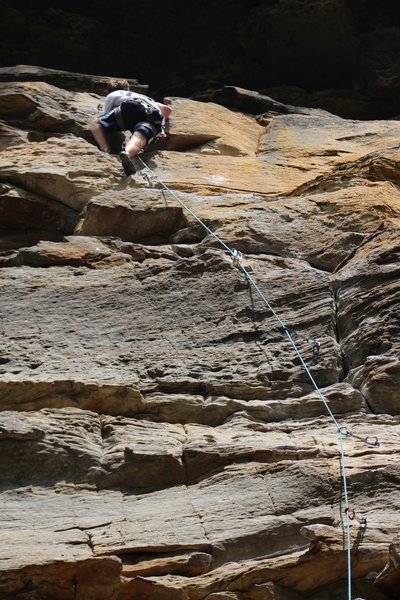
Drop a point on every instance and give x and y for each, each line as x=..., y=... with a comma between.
x=127, y=164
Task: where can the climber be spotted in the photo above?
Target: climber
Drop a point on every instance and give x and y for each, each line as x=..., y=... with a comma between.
x=129, y=111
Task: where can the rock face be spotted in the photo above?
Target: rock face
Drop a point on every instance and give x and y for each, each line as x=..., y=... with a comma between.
x=160, y=437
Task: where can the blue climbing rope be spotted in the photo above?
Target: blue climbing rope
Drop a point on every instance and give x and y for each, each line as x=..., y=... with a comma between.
x=346, y=502
x=341, y=430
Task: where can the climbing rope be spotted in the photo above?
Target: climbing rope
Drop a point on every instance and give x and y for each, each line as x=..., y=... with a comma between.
x=346, y=501
x=343, y=432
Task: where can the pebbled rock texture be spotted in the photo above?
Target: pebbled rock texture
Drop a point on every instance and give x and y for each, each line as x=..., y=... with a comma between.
x=160, y=436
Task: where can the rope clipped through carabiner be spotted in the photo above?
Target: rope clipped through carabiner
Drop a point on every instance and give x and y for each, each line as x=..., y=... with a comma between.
x=237, y=257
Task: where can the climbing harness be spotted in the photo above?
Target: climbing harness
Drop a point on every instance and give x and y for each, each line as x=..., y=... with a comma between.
x=119, y=119
x=343, y=432
x=152, y=112
x=150, y=108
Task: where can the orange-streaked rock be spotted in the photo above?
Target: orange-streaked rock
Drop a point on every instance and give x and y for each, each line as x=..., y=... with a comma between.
x=211, y=129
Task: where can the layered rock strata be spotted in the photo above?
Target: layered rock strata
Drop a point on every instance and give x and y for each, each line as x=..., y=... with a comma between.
x=160, y=436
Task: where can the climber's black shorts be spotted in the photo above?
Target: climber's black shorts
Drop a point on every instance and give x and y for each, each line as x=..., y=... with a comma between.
x=135, y=118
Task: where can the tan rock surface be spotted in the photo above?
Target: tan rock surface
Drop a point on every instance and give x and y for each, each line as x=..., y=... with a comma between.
x=101, y=397
x=68, y=170
x=131, y=215
x=189, y=563
x=159, y=436
x=75, y=250
x=64, y=79
x=46, y=108
x=265, y=175
x=10, y=136
x=371, y=342
x=326, y=140
x=22, y=210
x=240, y=356
x=211, y=129
x=323, y=228
x=389, y=577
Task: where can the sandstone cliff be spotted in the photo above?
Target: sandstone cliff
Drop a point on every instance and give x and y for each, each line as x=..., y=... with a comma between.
x=159, y=436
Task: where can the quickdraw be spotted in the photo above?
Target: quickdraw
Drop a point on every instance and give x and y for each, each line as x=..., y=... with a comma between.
x=370, y=440
x=351, y=513
x=316, y=345
x=236, y=257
